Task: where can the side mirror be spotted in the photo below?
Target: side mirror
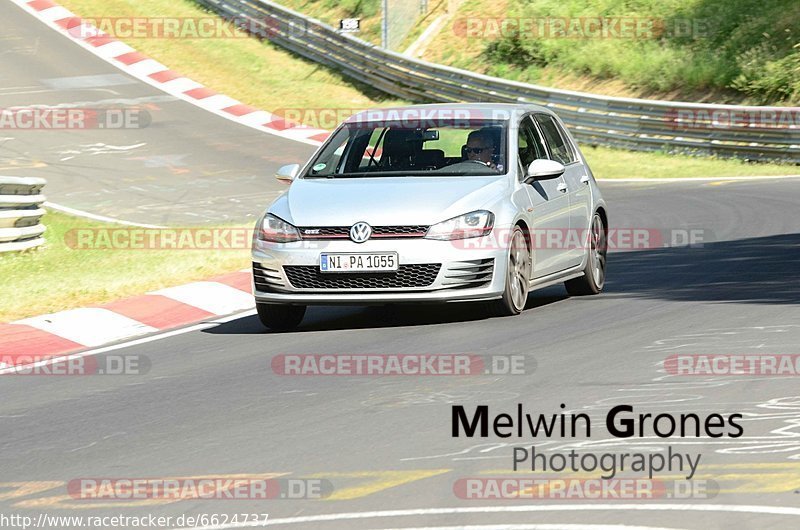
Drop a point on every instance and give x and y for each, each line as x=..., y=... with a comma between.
x=287, y=174
x=544, y=170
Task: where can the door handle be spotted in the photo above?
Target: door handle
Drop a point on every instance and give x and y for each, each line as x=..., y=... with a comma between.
x=562, y=188
x=585, y=179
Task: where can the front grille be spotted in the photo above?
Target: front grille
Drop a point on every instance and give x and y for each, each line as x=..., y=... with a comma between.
x=407, y=276
x=399, y=231
x=343, y=232
x=465, y=274
x=266, y=279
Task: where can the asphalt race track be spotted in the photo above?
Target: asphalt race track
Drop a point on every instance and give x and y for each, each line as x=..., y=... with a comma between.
x=211, y=404
x=186, y=167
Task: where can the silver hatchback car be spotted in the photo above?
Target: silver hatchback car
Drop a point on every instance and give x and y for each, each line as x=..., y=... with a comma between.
x=432, y=203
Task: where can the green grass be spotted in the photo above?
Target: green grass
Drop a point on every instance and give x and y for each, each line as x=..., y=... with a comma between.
x=253, y=71
x=744, y=51
x=610, y=163
x=59, y=276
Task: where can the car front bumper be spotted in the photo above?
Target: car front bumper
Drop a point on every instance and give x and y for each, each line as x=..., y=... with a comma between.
x=470, y=270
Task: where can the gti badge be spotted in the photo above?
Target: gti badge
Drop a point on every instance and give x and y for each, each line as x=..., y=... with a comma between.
x=360, y=232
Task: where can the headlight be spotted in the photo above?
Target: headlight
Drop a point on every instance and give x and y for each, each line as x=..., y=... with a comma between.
x=276, y=230
x=473, y=224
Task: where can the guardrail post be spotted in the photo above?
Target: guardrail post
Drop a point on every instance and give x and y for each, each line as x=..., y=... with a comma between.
x=385, y=24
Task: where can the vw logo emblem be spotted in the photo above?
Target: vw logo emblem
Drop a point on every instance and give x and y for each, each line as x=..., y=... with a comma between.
x=360, y=232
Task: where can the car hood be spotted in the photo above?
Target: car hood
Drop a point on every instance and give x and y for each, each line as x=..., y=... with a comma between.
x=385, y=200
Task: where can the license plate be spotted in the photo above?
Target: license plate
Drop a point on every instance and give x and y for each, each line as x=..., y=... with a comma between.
x=373, y=262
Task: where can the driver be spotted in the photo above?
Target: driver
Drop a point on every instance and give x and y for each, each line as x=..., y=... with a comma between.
x=480, y=147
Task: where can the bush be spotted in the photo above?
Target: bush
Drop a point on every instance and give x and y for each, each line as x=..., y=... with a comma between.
x=769, y=80
x=750, y=46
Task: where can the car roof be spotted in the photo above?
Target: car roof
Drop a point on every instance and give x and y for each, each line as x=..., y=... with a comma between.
x=497, y=111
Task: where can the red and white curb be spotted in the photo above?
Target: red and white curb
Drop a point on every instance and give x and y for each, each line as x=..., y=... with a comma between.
x=154, y=73
x=34, y=339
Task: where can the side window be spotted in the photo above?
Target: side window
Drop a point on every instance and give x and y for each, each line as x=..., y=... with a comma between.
x=530, y=144
x=559, y=148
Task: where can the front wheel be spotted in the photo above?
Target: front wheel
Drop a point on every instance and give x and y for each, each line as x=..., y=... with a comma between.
x=280, y=317
x=594, y=274
x=518, y=276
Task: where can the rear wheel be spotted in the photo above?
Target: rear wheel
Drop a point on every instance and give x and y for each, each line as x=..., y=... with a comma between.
x=515, y=295
x=280, y=317
x=594, y=274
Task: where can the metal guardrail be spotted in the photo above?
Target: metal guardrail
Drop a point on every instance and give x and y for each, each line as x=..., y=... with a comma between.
x=637, y=124
x=21, y=213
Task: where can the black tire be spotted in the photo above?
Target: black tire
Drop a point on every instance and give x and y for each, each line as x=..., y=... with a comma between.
x=515, y=295
x=594, y=274
x=280, y=317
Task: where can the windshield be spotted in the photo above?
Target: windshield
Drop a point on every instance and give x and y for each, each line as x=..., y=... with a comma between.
x=453, y=148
